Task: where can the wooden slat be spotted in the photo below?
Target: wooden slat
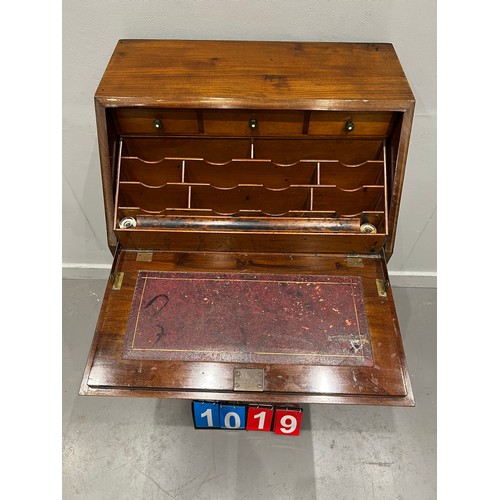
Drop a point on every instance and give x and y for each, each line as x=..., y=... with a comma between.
x=228, y=201
x=133, y=194
x=214, y=150
x=351, y=152
x=152, y=174
x=344, y=203
x=251, y=172
x=351, y=177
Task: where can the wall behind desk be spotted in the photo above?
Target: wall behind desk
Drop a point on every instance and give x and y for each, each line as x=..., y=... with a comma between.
x=92, y=28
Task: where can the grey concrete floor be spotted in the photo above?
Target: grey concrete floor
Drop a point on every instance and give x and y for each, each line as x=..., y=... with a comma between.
x=121, y=448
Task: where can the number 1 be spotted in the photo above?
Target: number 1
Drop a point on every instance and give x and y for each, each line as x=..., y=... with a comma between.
x=262, y=419
x=208, y=414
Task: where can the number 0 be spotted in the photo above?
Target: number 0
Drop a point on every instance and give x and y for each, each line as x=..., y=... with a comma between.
x=288, y=423
x=237, y=420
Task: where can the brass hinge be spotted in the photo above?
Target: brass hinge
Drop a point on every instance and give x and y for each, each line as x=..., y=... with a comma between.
x=381, y=288
x=117, y=281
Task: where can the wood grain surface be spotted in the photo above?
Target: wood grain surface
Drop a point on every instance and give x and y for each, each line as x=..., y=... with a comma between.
x=260, y=75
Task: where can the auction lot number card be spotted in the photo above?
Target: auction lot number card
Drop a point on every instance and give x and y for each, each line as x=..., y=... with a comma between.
x=260, y=418
x=284, y=420
x=287, y=421
x=206, y=415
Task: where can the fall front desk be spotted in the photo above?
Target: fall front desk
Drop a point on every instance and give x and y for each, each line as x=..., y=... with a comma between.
x=251, y=194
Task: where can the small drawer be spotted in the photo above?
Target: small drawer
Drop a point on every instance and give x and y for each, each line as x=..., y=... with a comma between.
x=159, y=121
x=349, y=124
x=253, y=123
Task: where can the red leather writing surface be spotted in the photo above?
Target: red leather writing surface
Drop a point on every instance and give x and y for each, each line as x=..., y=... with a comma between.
x=297, y=319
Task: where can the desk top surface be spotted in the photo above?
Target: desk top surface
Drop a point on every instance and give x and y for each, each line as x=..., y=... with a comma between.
x=247, y=74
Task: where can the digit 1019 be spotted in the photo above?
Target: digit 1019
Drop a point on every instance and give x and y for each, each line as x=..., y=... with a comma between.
x=253, y=417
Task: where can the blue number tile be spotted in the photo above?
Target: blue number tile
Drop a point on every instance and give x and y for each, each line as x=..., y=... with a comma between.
x=233, y=417
x=206, y=415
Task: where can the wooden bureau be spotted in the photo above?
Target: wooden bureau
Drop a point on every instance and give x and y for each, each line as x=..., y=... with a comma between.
x=251, y=194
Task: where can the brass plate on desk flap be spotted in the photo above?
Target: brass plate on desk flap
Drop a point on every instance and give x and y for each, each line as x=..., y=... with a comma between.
x=248, y=379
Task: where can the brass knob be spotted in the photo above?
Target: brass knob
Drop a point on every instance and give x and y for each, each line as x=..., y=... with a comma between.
x=253, y=123
x=157, y=124
x=349, y=126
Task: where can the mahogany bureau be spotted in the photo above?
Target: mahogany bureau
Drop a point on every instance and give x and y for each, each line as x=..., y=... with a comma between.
x=251, y=194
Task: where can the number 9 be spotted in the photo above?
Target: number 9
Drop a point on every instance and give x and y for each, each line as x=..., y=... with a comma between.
x=288, y=424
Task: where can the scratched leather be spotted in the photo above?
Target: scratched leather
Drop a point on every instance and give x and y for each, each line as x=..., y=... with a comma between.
x=260, y=318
